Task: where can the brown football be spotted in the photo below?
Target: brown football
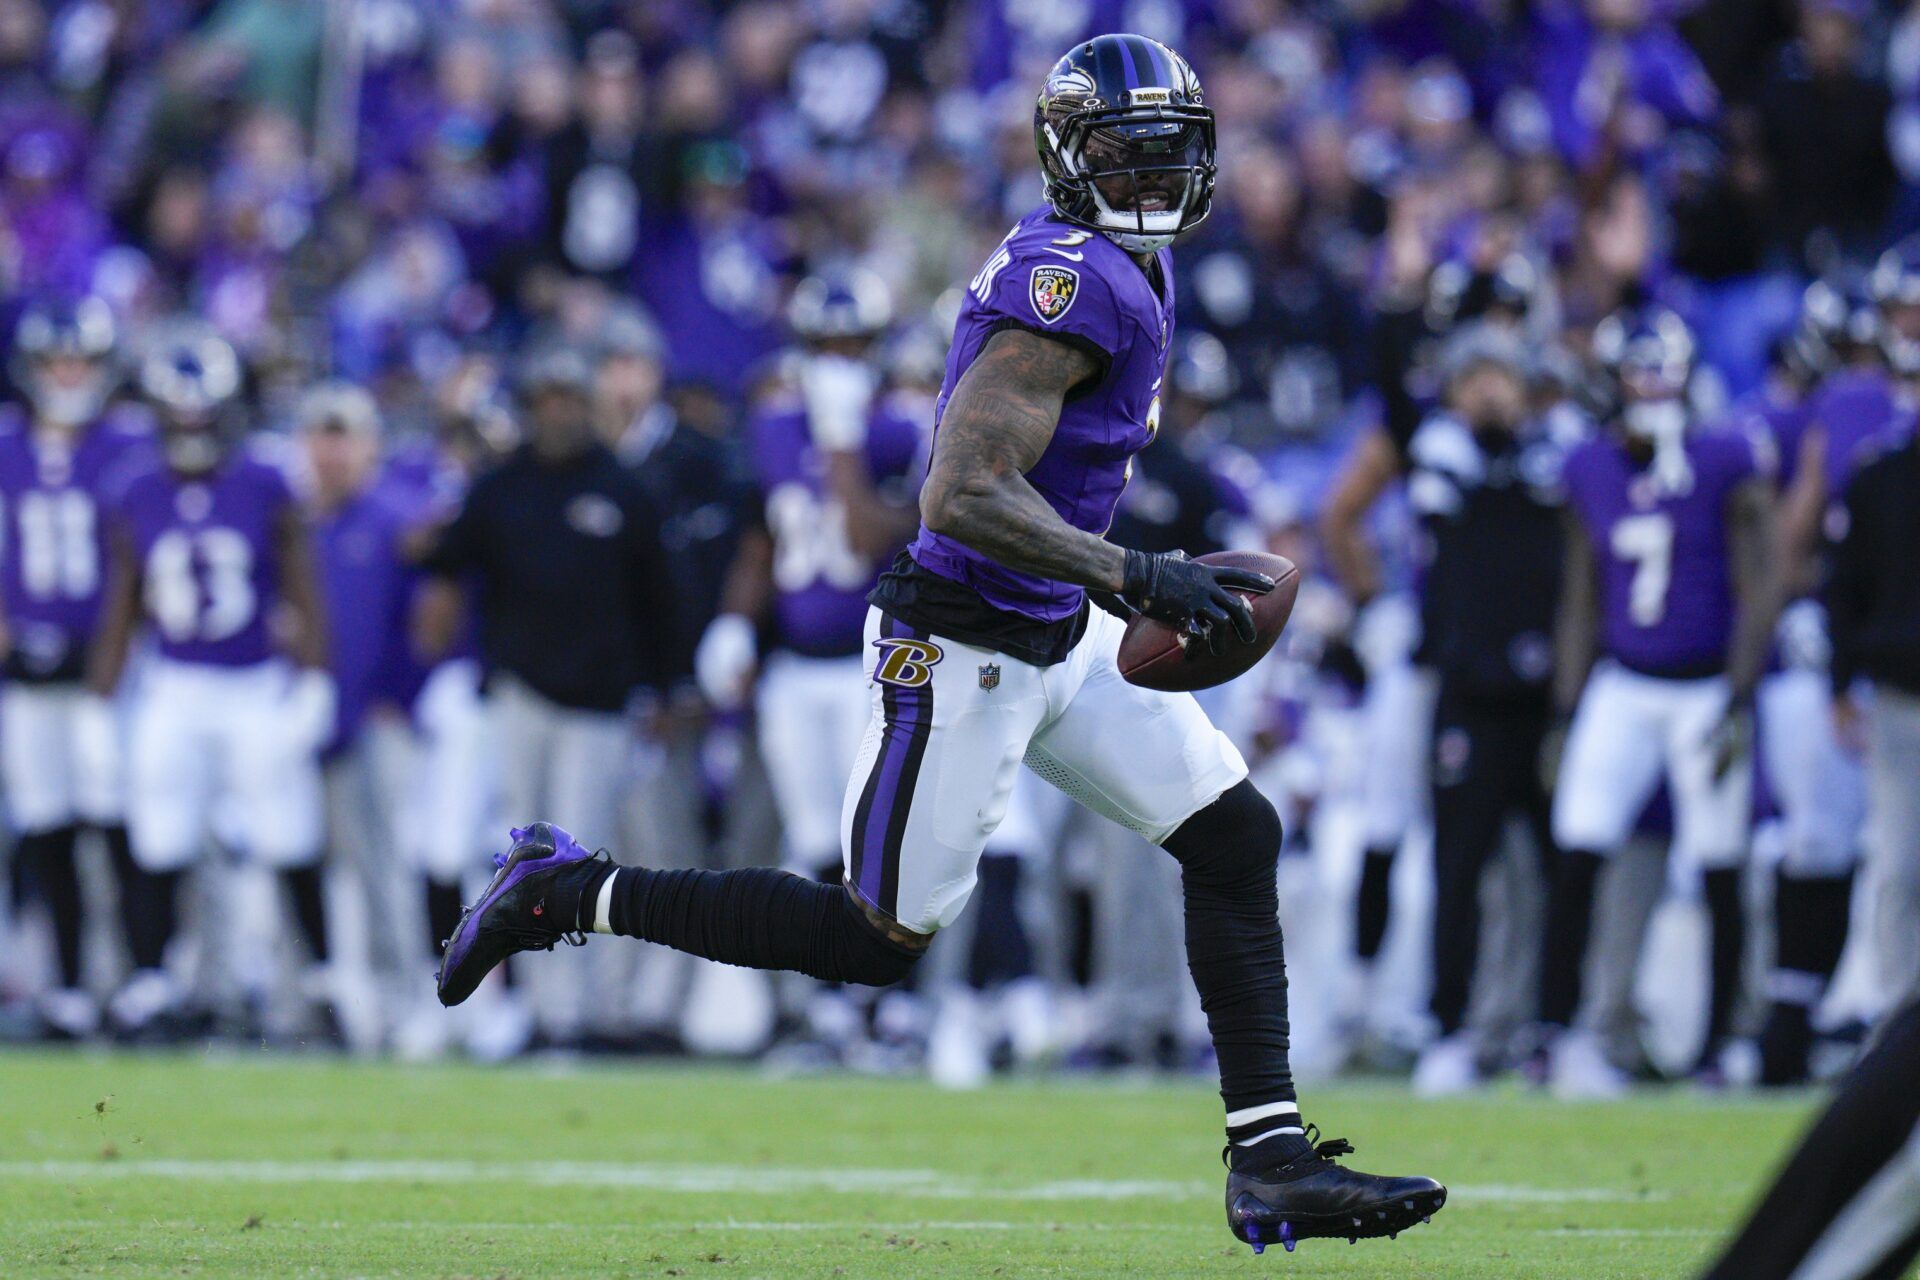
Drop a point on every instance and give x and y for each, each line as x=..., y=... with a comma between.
x=1155, y=655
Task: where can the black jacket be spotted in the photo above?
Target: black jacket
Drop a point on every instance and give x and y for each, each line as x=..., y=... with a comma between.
x=1873, y=595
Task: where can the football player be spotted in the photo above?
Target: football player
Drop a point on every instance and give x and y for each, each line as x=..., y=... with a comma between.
x=59, y=746
x=1668, y=579
x=1820, y=789
x=983, y=650
x=209, y=556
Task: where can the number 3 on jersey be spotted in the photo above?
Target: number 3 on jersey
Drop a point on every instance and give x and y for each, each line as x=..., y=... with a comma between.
x=200, y=584
x=1646, y=541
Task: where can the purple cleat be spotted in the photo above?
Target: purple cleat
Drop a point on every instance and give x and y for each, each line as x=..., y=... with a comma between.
x=532, y=903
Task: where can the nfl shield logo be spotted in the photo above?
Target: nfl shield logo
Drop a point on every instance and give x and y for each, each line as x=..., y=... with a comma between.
x=990, y=676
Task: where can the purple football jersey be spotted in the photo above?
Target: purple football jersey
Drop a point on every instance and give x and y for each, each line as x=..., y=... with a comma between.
x=820, y=582
x=205, y=548
x=1057, y=279
x=53, y=540
x=1860, y=410
x=1666, y=575
x=367, y=586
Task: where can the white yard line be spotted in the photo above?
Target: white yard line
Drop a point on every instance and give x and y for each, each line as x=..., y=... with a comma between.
x=718, y=1179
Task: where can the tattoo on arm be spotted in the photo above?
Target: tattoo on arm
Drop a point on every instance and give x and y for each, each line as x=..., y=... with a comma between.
x=999, y=422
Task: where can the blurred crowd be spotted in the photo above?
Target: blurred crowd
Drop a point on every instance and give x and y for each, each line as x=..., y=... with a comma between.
x=446, y=242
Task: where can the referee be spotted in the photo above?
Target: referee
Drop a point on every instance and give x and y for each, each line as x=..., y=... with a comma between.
x=1484, y=480
x=559, y=548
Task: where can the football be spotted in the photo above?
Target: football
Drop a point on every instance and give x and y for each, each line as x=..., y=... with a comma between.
x=1155, y=655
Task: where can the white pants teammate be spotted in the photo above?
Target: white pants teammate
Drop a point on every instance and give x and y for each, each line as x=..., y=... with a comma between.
x=1629, y=728
x=951, y=724
x=812, y=715
x=215, y=753
x=60, y=757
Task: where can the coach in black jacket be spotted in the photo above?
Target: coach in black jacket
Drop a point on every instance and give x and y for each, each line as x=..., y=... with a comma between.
x=1485, y=481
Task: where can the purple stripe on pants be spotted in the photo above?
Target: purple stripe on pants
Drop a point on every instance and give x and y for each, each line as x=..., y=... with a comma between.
x=906, y=711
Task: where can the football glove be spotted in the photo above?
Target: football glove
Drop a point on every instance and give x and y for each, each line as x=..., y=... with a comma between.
x=1198, y=597
x=724, y=661
x=837, y=391
x=1731, y=740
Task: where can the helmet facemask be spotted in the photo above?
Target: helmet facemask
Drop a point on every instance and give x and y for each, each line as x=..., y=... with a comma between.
x=1136, y=164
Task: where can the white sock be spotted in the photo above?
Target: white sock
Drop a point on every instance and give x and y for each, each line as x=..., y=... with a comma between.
x=603, y=906
x=1256, y=1124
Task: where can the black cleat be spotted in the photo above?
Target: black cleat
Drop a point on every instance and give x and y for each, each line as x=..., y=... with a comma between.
x=515, y=913
x=1289, y=1189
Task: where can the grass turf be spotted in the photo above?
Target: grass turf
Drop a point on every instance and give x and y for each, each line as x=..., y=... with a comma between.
x=264, y=1166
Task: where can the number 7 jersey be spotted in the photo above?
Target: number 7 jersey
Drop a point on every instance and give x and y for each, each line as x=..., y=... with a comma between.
x=1666, y=569
x=52, y=537
x=205, y=549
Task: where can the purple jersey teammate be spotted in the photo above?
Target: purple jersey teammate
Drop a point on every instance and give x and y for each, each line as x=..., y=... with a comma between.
x=1669, y=581
x=981, y=652
x=209, y=554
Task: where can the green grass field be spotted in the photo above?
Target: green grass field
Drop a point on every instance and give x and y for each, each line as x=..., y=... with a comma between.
x=260, y=1166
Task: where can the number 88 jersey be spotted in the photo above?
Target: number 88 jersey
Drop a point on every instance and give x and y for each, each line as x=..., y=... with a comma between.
x=52, y=537
x=1666, y=570
x=206, y=549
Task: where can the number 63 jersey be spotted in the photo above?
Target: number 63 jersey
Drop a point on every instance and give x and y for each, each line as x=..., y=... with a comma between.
x=1666, y=572
x=205, y=548
x=54, y=540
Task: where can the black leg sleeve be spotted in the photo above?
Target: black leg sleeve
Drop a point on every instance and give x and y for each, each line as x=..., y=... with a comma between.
x=760, y=918
x=1373, y=903
x=1001, y=951
x=47, y=860
x=309, y=908
x=1868, y=1127
x=147, y=898
x=1728, y=916
x=1227, y=854
x=1569, y=922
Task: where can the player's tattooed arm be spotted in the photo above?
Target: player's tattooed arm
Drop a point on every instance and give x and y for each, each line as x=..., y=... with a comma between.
x=307, y=638
x=1576, y=629
x=1758, y=583
x=1363, y=479
x=119, y=615
x=995, y=428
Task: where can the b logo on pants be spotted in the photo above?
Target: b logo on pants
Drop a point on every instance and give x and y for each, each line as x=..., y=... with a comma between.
x=906, y=663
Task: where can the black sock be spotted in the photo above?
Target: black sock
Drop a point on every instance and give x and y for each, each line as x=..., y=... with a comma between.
x=1374, y=902
x=758, y=917
x=1729, y=920
x=148, y=912
x=1227, y=854
x=1079, y=930
x=443, y=911
x=309, y=908
x=1001, y=951
x=1569, y=921
x=1811, y=917
x=46, y=858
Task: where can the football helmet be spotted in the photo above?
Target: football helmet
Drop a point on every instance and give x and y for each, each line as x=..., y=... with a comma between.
x=1648, y=357
x=840, y=304
x=192, y=378
x=1893, y=287
x=63, y=359
x=1126, y=142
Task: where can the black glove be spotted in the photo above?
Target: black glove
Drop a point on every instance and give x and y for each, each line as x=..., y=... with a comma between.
x=1197, y=597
